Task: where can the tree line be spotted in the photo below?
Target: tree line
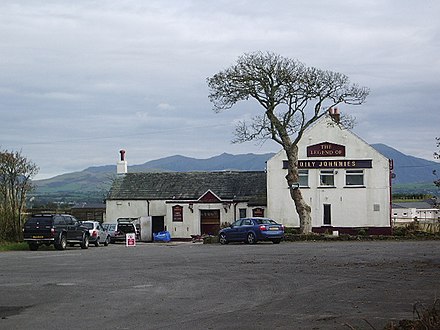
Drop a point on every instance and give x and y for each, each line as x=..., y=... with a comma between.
x=16, y=173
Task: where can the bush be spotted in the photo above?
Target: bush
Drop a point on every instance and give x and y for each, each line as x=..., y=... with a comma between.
x=209, y=239
x=426, y=318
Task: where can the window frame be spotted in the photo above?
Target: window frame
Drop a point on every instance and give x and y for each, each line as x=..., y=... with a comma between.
x=326, y=173
x=352, y=173
x=303, y=175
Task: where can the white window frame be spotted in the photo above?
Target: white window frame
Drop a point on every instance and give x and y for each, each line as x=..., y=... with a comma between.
x=352, y=173
x=326, y=173
x=303, y=177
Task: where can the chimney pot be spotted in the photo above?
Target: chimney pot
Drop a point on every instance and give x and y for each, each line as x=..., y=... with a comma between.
x=121, y=167
x=122, y=152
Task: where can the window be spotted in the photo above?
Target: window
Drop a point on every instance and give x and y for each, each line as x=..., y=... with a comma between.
x=242, y=213
x=59, y=221
x=265, y=221
x=247, y=222
x=69, y=221
x=327, y=178
x=236, y=223
x=303, y=178
x=354, y=177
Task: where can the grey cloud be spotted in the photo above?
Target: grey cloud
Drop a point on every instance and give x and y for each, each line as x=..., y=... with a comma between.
x=131, y=74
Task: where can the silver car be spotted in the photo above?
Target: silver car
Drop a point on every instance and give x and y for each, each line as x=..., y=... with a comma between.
x=111, y=228
x=98, y=235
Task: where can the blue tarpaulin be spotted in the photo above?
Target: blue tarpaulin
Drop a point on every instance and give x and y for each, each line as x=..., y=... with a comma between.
x=162, y=236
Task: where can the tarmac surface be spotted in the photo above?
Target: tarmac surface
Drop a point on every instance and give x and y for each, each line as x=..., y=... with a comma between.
x=292, y=285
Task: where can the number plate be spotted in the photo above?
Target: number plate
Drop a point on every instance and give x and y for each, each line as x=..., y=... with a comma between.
x=273, y=228
x=37, y=236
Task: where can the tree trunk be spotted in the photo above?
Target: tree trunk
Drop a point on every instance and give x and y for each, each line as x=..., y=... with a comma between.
x=292, y=177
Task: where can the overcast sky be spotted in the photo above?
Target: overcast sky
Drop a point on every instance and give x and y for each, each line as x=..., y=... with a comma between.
x=82, y=79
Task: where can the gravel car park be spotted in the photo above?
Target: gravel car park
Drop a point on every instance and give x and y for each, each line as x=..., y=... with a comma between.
x=300, y=285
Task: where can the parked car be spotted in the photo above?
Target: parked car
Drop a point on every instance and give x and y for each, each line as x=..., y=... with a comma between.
x=56, y=229
x=110, y=227
x=117, y=231
x=98, y=234
x=252, y=230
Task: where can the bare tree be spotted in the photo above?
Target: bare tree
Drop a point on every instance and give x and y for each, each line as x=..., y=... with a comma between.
x=292, y=97
x=437, y=156
x=16, y=172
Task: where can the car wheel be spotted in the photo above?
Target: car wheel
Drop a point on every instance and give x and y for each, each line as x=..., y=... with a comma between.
x=276, y=241
x=251, y=239
x=62, y=243
x=107, y=241
x=97, y=242
x=85, y=242
x=33, y=246
x=222, y=239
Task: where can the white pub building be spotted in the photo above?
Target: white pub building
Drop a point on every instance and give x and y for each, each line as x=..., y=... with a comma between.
x=344, y=180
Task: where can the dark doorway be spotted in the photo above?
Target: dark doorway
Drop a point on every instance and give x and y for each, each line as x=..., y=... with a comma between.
x=210, y=221
x=158, y=224
x=327, y=215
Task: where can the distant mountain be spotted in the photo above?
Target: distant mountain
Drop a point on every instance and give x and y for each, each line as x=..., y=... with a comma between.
x=409, y=169
x=92, y=183
x=223, y=162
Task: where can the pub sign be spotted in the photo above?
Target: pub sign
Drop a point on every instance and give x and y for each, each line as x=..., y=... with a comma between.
x=326, y=149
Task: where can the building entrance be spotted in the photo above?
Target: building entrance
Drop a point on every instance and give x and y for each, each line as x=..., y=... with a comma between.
x=209, y=222
x=158, y=224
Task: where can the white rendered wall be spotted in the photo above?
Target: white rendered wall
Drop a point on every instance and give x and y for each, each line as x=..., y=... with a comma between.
x=191, y=218
x=350, y=206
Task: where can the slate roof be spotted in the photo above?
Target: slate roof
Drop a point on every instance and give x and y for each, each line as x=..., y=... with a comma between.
x=238, y=185
x=422, y=205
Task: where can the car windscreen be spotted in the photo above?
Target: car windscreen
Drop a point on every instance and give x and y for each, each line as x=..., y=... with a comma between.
x=42, y=221
x=88, y=225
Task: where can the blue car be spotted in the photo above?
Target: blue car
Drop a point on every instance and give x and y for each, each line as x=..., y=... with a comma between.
x=252, y=230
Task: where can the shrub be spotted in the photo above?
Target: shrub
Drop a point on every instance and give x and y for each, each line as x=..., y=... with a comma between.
x=424, y=318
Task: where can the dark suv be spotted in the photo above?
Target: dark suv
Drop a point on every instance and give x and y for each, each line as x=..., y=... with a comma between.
x=56, y=229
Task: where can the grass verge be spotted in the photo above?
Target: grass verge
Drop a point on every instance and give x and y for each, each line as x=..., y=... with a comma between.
x=13, y=246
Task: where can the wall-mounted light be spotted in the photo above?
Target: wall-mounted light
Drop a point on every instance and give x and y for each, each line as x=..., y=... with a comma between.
x=191, y=207
x=226, y=206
